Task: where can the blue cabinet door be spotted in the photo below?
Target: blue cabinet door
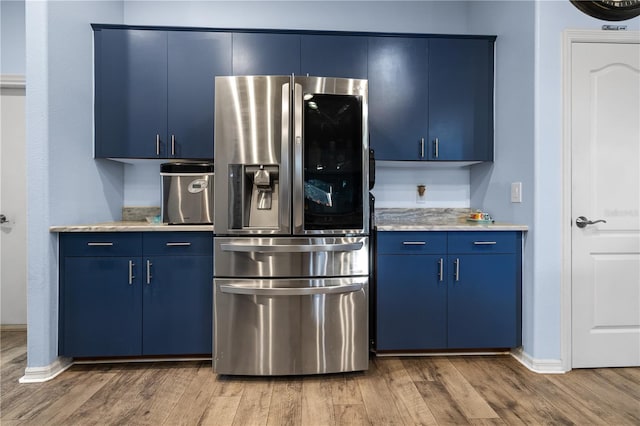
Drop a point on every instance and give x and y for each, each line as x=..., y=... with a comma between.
x=334, y=56
x=460, y=100
x=101, y=307
x=131, y=93
x=398, y=97
x=411, y=303
x=483, y=302
x=266, y=54
x=195, y=58
x=177, y=305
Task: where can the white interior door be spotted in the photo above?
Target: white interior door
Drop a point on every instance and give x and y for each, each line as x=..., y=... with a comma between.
x=605, y=163
x=13, y=203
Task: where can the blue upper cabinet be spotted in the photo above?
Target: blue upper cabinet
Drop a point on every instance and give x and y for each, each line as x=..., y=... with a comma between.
x=154, y=92
x=334, y=56
x=460, y=99
x=266, y=54
x=131, y=93
x=398, y=97
x=195, y=58
x=431, y=98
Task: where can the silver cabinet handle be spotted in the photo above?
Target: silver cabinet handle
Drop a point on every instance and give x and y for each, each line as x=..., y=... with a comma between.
x=178, y=244
x=291, y=248
x=173, y=145
x=457, y=272
x=92, y=244
x=440, y=270
x=421, y=147
x=484, y=243
x=414, y=243
x=436, y=147
x=157, y=144
x=149, y=271
x=288, y=291
x=131, y=276
x=582, y=222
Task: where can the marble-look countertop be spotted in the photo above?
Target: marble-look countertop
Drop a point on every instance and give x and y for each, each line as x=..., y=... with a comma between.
x=435, y=219
x=386, y=219
x=130, y=226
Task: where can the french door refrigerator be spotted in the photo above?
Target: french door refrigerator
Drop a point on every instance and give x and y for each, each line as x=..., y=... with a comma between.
x=291, y=254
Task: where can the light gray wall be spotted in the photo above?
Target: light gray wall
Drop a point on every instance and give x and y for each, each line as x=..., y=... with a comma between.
x=514, y=24
x=552, y=18
x=12, y=37
x=64, y=184
x=394, y=16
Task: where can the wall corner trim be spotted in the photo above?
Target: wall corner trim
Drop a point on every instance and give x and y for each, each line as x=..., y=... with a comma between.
x=12, y=81
x=46, y=373
x=542, y=366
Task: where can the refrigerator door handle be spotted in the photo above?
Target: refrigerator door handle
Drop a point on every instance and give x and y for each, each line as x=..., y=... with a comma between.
x=305, y=291
x=298, y=193
x=291, y=248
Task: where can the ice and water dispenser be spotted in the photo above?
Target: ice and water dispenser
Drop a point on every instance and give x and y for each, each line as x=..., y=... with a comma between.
x=254, y=196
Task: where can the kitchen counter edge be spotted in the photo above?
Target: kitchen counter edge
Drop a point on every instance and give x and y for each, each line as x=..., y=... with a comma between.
x=458, y=226
x=130, y=227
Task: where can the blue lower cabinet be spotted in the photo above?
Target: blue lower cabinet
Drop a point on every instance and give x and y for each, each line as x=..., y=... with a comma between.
x=177, y=305
x=115, y=300
x=483, y=304
x=468, y=297
x=412, y=309
x=100, y=308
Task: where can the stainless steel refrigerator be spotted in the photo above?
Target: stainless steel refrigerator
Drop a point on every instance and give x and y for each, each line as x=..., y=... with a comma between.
x=291, y=257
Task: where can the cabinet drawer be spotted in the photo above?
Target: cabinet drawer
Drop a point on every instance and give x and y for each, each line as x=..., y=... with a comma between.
x=418, y=242
x=483, y=242
x=177, y=243
x=101, y=244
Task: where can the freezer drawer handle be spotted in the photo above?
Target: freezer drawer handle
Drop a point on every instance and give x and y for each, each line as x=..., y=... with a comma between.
x=178, y=244
x=306, y=291
x=291, y=248
x=414, y=243
x=91, y=244
x=484, y=243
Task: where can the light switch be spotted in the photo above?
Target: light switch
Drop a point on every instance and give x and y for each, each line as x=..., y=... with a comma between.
x=516, y=192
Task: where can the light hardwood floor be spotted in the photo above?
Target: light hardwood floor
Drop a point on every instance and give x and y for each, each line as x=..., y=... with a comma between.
x=459, y=390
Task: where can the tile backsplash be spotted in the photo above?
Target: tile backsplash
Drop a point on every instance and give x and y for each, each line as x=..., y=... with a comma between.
x=446, y=185
x=397, y=185
x=135, y=214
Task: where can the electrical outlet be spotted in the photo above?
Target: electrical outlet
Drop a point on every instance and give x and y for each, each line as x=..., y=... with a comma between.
x=516, y=192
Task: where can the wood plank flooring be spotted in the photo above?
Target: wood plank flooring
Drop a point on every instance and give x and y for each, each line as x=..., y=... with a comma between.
x=460, y=390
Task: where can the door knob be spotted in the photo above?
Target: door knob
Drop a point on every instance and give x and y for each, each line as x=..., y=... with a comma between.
x=582, y=221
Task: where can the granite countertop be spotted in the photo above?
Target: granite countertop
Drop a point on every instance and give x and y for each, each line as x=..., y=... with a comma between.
x=436, y=219
x=129, y=226
x=386, y=219
x=134, y=219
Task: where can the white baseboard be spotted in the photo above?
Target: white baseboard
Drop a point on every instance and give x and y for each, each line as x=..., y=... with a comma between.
x=43, y=374
x=543, y=366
